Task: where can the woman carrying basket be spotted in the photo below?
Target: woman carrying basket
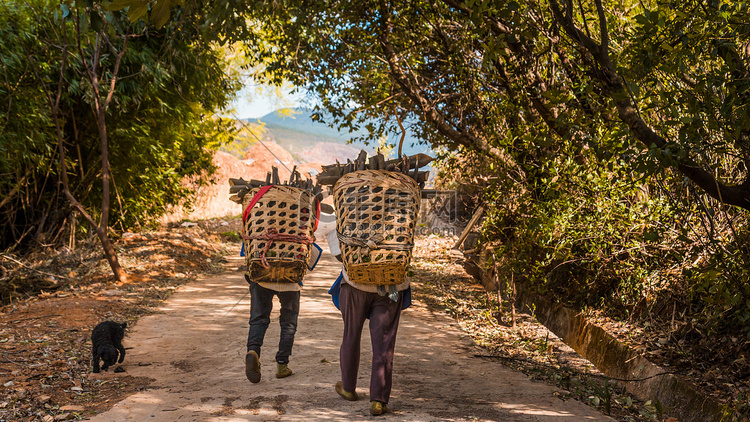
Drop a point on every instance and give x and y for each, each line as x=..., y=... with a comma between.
x=376, y=216
x=357, y=303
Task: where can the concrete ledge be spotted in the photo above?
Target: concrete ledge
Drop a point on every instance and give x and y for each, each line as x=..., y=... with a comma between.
x=678, y=397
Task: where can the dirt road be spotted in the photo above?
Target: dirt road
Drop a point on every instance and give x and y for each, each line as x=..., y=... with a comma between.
x=194, y=350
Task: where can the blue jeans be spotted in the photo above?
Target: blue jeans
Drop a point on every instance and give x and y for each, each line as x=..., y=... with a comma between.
x=261, y=304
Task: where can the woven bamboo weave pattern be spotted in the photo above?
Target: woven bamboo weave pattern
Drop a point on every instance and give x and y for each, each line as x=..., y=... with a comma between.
x=376, y=214
x=278, y=233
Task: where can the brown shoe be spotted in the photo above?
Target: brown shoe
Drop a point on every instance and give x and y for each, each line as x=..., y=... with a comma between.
x=377, y=408
x=282, y=370
x=252, y=367
x=345, y=394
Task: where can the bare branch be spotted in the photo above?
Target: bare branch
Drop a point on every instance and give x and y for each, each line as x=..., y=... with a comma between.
x=603, y=33
x=116, y=71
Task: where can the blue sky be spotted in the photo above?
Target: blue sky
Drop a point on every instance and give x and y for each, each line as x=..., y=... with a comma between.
x=254, y=101
x=258, y=107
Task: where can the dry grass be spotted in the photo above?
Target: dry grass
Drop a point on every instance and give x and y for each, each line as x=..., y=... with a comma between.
x=441, y=282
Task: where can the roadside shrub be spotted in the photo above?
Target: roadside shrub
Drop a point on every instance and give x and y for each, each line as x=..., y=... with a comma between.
x=613, y=241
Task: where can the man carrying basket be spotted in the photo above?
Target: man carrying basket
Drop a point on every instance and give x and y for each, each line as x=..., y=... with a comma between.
x=278, y=226
x=261, y=304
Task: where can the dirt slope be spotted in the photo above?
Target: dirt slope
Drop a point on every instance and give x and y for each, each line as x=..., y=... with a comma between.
x=193, y=350
x=213, y=200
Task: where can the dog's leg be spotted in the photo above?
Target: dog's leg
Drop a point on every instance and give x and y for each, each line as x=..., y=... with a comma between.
x=95, y=359
x=122, y=352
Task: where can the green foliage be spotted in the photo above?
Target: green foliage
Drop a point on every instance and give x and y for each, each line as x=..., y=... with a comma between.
x=593, y=136
x=159, y=123
x=158, y=14
x=603, y=238
x=589, y=236
x=506, y=79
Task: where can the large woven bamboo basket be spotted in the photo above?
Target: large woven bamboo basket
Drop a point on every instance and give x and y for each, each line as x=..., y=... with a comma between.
x=278, y=232
x=376, y=215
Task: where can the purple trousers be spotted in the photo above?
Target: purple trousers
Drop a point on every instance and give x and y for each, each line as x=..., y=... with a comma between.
x=356, y=307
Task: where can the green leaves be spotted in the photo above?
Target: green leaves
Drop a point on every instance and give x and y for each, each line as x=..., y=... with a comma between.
x=160, y=121
x=160, y=12
x=139, y=9
x=97, y=23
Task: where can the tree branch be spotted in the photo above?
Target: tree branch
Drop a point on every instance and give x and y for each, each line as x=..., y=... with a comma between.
x=603, y=33
x=115, y=71
x=430, y=113
x=615, y=88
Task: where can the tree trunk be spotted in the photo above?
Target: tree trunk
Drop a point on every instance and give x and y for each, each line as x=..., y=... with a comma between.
x=101, y=230
x=100, y=106
x=109, y=253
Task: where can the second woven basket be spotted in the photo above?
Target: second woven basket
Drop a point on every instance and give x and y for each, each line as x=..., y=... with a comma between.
x=376, y=216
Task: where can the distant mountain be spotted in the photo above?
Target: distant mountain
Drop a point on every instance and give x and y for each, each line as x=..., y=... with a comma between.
x=309, y=141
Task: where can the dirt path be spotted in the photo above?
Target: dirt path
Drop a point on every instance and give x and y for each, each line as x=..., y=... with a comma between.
x=194, y=351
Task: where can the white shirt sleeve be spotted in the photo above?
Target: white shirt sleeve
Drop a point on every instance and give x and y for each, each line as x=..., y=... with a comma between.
x=327, y=229
x=333, y=242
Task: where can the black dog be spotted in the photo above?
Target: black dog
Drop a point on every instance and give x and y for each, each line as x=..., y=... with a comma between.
x=106, y=342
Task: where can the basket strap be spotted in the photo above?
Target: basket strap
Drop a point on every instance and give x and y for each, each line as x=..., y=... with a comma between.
x=272, y=234
x=253, y=201
x=372, y=243
x=317, y=213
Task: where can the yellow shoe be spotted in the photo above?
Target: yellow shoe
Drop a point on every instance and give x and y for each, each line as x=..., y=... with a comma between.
x=377, y=408
x=282, y=370
x=345, y=394
x=252, y=367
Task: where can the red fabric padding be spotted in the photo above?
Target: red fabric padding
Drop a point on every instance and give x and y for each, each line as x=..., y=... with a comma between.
x=252, y=203
x=317, y=213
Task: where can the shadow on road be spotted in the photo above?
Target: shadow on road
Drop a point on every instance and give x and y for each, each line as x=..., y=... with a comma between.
x=193, y=349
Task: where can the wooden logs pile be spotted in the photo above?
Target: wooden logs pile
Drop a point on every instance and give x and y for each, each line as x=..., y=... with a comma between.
x=238, y=188
x=408, y=165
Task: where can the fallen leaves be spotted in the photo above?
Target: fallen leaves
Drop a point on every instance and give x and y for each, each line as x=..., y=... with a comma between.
x=45, y=351
x=441, y=282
